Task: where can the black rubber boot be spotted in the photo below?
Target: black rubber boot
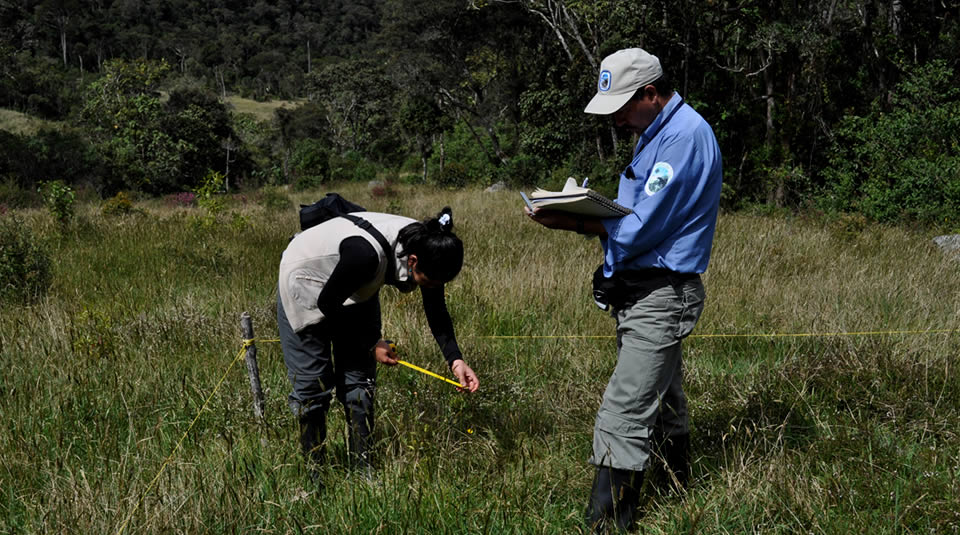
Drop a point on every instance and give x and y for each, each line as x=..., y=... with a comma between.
x=313, y=433
x=358, y=405
x=676, y=453
x=614, y=500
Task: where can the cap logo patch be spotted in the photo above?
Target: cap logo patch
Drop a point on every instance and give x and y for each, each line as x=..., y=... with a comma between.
x=605, y=80
x=660, y=176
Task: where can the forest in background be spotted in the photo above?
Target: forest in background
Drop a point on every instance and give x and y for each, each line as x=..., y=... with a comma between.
x=843, y=106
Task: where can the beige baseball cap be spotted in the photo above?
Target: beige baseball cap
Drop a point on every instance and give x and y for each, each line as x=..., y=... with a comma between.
x=621, y=74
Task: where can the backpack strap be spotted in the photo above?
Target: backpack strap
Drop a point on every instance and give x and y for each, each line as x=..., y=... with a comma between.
x=391, y=275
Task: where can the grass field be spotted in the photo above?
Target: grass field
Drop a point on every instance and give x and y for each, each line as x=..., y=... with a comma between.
x=822, y=434
x=21, y=123
x=262, y=111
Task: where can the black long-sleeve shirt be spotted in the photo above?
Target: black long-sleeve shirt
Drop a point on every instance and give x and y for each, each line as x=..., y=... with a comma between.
x=357, y=266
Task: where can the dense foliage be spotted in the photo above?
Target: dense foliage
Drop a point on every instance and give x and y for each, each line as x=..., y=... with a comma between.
x=25, y=266
x=905, y=163
x=796, y=91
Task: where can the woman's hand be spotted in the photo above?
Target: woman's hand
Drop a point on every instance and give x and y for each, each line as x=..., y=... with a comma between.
x=384, y=354
x=466, y=376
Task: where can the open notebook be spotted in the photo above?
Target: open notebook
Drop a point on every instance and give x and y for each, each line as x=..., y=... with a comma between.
x=576, y=200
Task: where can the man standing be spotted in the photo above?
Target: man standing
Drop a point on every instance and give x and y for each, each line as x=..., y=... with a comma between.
x=651, y=270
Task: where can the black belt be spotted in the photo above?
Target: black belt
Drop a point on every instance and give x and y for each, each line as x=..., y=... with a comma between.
x=631, y=286
x=647, y=274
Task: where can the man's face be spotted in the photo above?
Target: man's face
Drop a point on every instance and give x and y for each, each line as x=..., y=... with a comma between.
x=637, y=114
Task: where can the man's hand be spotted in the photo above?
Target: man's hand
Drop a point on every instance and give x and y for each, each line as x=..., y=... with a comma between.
x=555, y=219
x=466, y=376
x=384, y=353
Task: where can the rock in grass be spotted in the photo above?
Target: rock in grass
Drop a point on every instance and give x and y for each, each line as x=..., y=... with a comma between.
x=949, y=244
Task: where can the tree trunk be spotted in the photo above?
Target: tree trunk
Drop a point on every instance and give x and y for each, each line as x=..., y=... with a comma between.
x=443, y=153
x=896, y=11
x=63, y=45
x=774, y=184
x=226, y=175
x=423, y=159
x=218, y=75
x=495, y=141
x=479, y=141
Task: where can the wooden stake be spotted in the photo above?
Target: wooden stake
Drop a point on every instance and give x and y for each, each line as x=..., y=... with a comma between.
x=252, y=370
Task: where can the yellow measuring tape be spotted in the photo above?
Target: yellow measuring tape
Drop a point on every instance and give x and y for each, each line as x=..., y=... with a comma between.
x=393, y=347
x=428, y=372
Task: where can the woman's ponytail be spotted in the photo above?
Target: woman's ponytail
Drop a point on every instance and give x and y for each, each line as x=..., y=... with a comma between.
x=439, y=251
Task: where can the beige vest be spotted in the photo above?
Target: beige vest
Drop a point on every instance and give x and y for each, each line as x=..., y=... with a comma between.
x=312, y=255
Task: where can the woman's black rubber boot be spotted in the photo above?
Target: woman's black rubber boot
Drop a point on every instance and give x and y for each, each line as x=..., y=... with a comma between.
x=614, y=500
x=313, y=432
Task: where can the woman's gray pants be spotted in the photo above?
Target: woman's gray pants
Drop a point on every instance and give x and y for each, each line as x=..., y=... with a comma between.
x=349, y=370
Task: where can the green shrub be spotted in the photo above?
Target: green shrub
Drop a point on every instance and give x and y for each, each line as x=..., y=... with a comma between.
x=461, y=147
x=365, y=171
x=25, y=271
x=119, y=204
x=94, y=335
x=307, y=182
x=272, y=198
x=15, y=196
x=309, y=164
x=208, y=192
x=352, y=166
x=522, y=170
x=209, y=198
x=903, y=165
x=454, y=175
x=59, y=199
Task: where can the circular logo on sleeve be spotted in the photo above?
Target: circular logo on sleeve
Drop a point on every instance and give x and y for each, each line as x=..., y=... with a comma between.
x=605, y=80
x=660, y=176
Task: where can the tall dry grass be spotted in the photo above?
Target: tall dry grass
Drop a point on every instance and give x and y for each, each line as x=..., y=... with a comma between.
x=818, y=434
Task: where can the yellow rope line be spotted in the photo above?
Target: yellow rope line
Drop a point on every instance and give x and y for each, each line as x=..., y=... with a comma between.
x=724, y=335
x=800, y=335
x=246, y=344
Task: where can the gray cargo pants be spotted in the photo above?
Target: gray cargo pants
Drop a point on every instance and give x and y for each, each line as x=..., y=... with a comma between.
x=315, y=374
x=645, y=393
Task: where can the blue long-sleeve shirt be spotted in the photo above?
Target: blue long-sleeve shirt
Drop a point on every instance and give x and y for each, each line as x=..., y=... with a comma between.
x=673, y=185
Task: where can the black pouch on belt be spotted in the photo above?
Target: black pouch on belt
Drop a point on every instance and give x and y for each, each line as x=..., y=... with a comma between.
x=605, y=290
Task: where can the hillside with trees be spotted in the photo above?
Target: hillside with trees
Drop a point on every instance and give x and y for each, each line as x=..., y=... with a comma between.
x=837, y=105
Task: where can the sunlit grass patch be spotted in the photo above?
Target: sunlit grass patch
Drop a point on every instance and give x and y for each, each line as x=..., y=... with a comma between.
x=262, y=111
x=21, y=123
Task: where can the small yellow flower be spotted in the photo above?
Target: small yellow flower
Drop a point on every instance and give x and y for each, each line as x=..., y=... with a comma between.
x=470, y=431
